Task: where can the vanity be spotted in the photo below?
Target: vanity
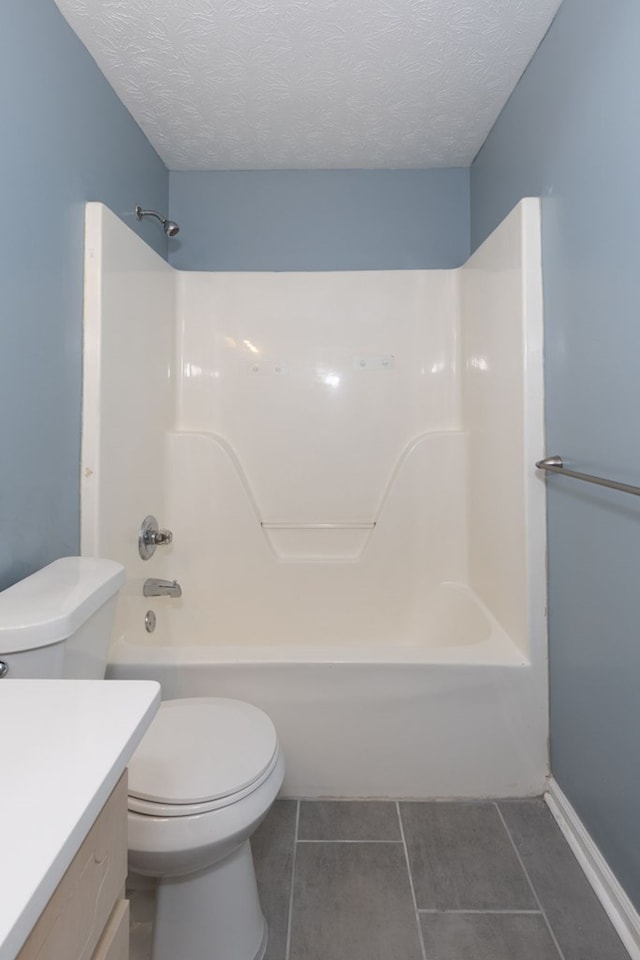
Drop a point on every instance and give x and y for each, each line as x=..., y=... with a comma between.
x=63, y=814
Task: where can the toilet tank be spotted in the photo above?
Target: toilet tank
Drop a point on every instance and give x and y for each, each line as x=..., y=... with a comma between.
x=58, y=621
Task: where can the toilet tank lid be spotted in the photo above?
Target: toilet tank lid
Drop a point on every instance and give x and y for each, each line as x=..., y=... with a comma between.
x=54, y=602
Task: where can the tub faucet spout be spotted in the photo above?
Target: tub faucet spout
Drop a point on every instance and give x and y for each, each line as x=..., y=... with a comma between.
x=161, y=588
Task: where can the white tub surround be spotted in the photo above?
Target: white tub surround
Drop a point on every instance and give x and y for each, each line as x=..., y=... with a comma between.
x=127, y=376
x=65, y=745
x=346, y=461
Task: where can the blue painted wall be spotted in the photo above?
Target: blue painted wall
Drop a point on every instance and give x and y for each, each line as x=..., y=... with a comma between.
x=66, y=138
x=320, y=219
x=571, y=133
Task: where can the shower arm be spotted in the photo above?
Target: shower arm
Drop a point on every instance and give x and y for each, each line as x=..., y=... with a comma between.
x=140, y=213
x=170, y=227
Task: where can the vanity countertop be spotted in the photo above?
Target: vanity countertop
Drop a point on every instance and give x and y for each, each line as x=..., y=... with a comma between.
x=64, y=746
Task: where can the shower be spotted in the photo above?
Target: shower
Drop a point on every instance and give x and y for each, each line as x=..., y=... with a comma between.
x=169, y=226
x=323, y=446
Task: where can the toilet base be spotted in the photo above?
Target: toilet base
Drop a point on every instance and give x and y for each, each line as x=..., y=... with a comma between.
x=214, y=914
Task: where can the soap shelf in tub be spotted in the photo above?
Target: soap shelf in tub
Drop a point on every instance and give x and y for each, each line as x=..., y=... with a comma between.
x=317, y=542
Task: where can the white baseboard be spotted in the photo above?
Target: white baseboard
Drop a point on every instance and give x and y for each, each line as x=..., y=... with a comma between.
x=616, y=903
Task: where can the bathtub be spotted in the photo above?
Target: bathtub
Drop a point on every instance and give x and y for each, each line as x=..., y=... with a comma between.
x=459, y=714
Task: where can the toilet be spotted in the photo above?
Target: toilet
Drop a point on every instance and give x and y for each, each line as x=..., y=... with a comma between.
x=200, y=782
x=202, y=779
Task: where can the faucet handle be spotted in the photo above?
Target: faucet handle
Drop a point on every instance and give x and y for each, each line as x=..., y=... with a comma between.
x=160, y=537
x=150, y=537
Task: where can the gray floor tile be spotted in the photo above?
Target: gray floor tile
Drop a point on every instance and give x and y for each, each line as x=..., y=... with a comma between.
x=348, y=820
x=487, y=936
x=352, y=901
x=462, y=859
x=272, y=846
x=577, y=919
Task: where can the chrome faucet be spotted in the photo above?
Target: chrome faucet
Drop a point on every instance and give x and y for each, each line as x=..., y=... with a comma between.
x=150, y=537
x=161, y=588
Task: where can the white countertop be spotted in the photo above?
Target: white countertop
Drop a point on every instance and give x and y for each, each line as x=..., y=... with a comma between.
x=63, y=747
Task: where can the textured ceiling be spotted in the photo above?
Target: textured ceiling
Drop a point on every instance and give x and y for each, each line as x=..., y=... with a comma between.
x=304, y=84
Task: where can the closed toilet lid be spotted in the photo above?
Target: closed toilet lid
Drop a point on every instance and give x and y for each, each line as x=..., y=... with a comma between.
x=201, y=749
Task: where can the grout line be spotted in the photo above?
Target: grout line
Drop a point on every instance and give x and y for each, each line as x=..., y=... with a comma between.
x=529, y=881
x=293, y=877
x=349, y=841
x=413, y=892
x=534, y=913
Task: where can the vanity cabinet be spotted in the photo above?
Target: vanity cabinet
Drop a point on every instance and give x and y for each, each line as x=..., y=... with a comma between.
x=87, y=917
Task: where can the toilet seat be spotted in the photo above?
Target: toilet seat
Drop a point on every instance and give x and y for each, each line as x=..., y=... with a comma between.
x=156, y=808
x=200, y=754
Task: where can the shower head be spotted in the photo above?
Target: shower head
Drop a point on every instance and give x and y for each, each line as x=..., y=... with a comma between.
x=169, y=227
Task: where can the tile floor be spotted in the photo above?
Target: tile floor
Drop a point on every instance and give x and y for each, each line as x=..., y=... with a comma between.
x=377, y=880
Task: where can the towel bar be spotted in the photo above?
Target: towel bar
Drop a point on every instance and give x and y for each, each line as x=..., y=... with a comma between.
x=556, y=465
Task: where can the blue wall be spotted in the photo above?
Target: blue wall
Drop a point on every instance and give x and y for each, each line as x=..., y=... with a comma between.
x=571, y=133
x=66, y=138
x=320, y=219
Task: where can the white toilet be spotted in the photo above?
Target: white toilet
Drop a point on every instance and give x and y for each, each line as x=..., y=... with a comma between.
x=202, y=779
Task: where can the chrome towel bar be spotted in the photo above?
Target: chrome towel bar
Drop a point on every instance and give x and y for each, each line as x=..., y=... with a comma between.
x=556, y=465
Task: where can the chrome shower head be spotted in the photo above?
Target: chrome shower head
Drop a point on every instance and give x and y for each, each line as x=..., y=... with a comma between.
x=169, y=227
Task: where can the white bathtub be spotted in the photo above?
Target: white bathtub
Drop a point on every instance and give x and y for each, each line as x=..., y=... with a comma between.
x=462, y=714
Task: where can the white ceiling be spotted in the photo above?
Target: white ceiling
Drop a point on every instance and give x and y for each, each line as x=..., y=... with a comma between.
x=307, y=84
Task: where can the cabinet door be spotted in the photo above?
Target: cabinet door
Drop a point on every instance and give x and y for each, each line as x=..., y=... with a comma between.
x=73, y=921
